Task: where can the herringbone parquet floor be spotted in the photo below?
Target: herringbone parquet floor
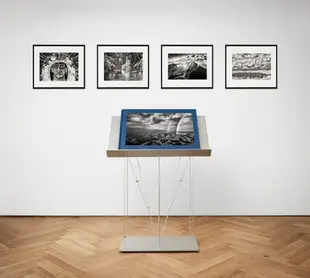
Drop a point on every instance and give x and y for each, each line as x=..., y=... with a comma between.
x=258, y=247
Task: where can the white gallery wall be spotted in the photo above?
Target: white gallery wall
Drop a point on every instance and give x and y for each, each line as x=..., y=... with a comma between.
x=53, y=142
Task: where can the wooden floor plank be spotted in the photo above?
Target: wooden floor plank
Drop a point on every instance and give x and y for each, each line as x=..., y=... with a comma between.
x=87, y=247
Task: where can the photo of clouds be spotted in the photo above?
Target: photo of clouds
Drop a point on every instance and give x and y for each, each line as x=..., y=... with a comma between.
x=160, y=129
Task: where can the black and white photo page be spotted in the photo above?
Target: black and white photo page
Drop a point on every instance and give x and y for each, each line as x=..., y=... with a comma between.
x=160, y=129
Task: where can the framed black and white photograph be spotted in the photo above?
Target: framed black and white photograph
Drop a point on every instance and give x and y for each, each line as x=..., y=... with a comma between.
x=159, y=129
x=251, y=67
x=187, y=66
x=122, y=66
x=58, y=66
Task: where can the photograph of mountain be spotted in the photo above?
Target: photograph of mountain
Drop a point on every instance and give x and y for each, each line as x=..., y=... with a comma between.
x=187, y=66
x=251, y=66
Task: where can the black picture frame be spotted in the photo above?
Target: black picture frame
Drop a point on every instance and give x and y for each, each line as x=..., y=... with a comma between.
x=256, y=46
x=189, y=46
x=52, y=47
x=123, y=46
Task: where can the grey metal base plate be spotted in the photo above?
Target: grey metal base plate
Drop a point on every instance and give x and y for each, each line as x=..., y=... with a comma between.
x=154, y=244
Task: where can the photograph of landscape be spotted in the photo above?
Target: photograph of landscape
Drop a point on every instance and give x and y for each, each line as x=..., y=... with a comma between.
x=160, y=129
x=187, y=66
x=251, y=66
x=123, y=66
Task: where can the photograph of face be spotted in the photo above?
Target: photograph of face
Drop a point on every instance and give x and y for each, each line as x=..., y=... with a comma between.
x=59, y=66
x=123, y=66
x=187, y=66
x=160, y=129
x=251, y=66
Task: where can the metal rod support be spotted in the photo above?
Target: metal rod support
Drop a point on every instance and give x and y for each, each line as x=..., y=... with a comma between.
x=158, y=161
x=127, y=196
x=190, y=194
